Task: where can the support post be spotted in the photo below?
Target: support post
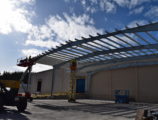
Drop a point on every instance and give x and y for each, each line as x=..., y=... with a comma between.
x=88, y=80
x=72, y=91
x=53, y=78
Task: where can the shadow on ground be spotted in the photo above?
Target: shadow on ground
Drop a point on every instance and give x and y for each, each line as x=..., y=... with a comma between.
x=122, y=110
x=9, y=114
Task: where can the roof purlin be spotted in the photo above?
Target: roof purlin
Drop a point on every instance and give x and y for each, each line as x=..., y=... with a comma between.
x=126, y=49
x=145, y=28
x=76, y=48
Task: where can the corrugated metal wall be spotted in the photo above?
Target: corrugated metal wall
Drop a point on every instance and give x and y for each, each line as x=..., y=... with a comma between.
x=141, y=81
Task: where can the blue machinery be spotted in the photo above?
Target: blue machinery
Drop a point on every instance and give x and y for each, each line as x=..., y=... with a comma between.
x=121, y=96
x=126, y=45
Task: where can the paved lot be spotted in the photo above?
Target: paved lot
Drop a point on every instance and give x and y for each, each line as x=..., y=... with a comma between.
x=82, y=110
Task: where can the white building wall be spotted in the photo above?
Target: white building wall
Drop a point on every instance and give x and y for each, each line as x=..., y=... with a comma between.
x=46, y=79
x=61, y=80
x=141, y=81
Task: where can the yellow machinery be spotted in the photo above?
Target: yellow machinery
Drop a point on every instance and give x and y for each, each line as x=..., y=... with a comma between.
x=11, y=83
x=72, y=91
x=10, y=97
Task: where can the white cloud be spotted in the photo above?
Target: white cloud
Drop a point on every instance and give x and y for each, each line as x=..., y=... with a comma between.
x=153, y=12
x=104, y=5
x=91, y=9
x=130, y=3
x=95, y=5
x=109, y=6
x=27, y=1
x=83, y=2
x=14, y=16
x=57, y=30
x=134, y=3
x=73, y=27
x=41, y=43
x=137, y=10
x=31, y=52
x=122, y=3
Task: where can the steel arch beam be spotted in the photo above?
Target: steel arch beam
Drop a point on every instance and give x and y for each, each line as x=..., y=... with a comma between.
x=144, y=28
x=128, y=59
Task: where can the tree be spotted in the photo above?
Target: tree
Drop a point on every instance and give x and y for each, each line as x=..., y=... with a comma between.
x=13, y=76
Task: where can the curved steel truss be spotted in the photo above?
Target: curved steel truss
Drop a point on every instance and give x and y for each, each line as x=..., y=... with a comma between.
x=121, y=45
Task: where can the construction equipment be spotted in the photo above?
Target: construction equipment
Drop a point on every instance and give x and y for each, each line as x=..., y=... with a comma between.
x=26, y=62
x=9, y=95
x=72, y=92
x=9, y=88
x=121, y=96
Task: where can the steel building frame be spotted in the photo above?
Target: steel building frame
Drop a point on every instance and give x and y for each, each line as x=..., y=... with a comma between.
x=122, y=48
x=121, y=45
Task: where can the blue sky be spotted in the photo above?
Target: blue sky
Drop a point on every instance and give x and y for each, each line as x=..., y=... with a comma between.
x=28, y=27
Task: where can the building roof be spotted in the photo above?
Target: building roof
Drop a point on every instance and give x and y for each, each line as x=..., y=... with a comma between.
x=135, y=43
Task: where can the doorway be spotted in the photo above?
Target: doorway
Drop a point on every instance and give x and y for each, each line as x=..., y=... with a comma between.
x=80, y=85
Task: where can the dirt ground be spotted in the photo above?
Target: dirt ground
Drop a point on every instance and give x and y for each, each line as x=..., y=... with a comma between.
x=82, y=110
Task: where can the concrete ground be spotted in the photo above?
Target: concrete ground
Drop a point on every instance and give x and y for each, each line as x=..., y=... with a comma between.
x=82, y=110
